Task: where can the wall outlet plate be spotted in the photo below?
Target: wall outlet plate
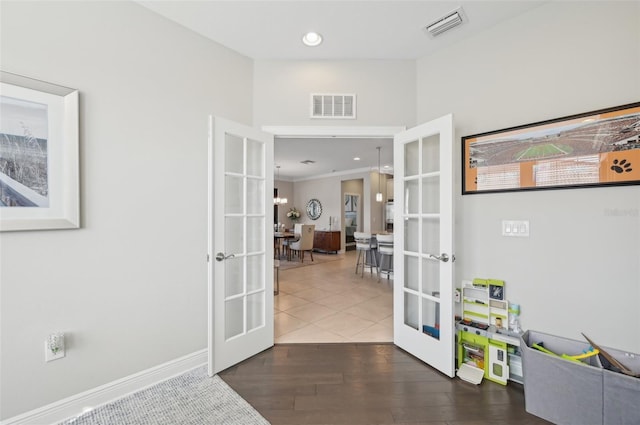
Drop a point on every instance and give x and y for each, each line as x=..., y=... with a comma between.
x=49, y=355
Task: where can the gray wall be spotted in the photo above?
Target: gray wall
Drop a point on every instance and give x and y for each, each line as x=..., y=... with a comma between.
x=129, y=287
x=285, y=190
x=580, y=269
x=386, y=96
x=385, y=91
x=328, y=191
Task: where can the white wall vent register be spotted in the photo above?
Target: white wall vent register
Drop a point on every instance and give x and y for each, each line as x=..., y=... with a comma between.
x=447, y=22
x=331, y=105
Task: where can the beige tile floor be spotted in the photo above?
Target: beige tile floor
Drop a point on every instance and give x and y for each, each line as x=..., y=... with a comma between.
x=328, y=302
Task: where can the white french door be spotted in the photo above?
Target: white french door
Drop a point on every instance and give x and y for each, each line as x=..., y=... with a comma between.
x=240, y=246
x=423, y=256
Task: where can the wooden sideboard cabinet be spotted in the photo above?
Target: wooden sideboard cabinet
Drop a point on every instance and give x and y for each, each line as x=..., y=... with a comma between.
x=327, y=241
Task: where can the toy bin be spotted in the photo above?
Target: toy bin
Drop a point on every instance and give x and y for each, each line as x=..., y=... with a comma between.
x=621, y=392
x=561, y=391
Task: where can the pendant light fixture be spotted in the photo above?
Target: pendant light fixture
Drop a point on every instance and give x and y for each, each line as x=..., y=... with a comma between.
x=278, y=200
x=379, y=194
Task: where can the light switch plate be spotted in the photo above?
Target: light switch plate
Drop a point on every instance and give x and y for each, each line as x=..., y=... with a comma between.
x=516, y=228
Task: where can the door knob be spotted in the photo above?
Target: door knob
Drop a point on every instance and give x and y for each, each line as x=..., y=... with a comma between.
x=221, y=257
x=442, y=257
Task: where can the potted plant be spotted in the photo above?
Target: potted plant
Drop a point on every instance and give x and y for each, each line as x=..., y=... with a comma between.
x=293, y=214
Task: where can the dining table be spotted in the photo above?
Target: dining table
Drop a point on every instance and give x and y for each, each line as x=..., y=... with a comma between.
x=277, y=239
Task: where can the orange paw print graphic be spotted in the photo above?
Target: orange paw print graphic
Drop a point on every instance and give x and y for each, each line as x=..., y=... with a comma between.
x=621, y=166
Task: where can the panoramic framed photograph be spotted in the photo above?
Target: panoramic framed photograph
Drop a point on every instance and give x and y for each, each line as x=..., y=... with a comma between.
x=39, y=132
x=599, y=148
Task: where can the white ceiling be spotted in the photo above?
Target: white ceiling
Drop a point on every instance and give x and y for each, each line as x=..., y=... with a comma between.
x=361, y=29
x=332, y=156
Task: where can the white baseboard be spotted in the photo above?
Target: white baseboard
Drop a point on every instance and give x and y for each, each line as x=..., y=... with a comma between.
x=73, y=406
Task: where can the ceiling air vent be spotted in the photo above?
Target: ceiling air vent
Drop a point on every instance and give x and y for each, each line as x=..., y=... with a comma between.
x=325, y=105
x=447, y=22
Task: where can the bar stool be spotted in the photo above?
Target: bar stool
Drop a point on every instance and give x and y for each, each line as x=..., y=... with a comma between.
x=385, y=249
x=365, y=245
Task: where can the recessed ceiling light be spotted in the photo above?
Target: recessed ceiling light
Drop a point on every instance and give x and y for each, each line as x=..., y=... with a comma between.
x=312, y=39
x=357, y=158
x=387, y=166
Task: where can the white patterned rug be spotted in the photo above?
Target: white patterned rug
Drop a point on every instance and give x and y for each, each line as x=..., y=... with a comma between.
x=192, y=398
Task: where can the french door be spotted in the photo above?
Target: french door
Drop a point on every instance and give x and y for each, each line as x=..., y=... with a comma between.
x=239, y=243
x=423, y=256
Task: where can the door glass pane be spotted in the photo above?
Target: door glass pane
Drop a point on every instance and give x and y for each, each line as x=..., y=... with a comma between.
x=411, y=310
x=411, y=159
x=255, y=155
x=233, y=235
x=328, y=106
x=431, y=195
x=431, y=277
x=431, y=318
x=233, y=276
x=431, y=235
x=233, y=195
x=233, y=318
x=431, y=154
x=411, y=234
x=255, y=234
x=255, y=272
x=411, y=276
x=255, y=196
x=233, y=158
x=411, y=199
x=255, y=311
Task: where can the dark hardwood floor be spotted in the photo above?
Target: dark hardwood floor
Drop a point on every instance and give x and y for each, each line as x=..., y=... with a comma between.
x=367, y=384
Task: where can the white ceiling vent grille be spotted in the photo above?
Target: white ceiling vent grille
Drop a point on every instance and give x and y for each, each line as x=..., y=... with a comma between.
x=328, y=105
x=447, y=22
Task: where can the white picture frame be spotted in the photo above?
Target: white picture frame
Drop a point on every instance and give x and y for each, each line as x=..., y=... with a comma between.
x=39, y=155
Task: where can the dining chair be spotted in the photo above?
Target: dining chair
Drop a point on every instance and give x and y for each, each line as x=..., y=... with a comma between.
x=365, y=245
x=286, y=244
x=385, y=250
x=305, y=243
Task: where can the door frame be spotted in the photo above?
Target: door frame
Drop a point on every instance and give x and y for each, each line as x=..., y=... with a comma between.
x=343, y=216
x=302, y=131
x=353, y=131
x=284, y=132
x=340, y=132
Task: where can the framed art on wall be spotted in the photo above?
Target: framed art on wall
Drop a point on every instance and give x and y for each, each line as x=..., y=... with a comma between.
x=39, y=134
x=599, y=148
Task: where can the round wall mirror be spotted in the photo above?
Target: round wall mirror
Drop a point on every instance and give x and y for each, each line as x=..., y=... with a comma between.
x=314, y=209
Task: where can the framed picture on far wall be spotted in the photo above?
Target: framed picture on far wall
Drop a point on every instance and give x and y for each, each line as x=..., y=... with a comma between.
x=38, y=155
x=599, y=148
